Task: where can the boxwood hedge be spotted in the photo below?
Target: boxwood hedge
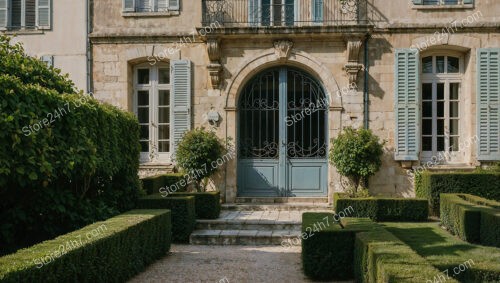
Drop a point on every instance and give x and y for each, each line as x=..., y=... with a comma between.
x=383, y=209
x=109, y=251
x=471, y=221
x=207, y=203
x=183, y=213
x=430, y=185
x=165, y=184
x=66, y=160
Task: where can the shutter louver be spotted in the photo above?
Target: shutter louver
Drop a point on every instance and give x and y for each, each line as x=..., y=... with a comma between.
x=30, y=16
x=173, y=5
x=4, y=8
x=488, y=104
x=253, y=12
x=43, y=14
x=468, y=1
x=181, y=100
x=162, y=5
x=129, y=5
x=407, y=113
x=318, y=11
x=418, y=2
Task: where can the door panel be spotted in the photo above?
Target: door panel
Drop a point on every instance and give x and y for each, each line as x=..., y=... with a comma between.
x=307, y=178
x=258, y=177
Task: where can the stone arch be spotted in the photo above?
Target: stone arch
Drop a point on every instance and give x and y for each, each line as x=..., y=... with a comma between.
x=456, y=42
x=267, y=59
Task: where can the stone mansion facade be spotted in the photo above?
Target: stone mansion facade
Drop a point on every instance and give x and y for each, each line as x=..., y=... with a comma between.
x=281, y=78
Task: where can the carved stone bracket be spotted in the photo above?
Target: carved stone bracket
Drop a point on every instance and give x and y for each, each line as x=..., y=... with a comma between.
x=215, y=67
x=353, y=65
x=282, y=49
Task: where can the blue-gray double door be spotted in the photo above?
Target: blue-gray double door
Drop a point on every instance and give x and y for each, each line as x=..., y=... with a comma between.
x=282, y=135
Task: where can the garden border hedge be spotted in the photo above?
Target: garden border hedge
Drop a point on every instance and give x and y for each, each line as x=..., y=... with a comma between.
x=430, y=185
x=383, y=209
x=207, y=203
x=470, y=221
x=183, y=213
x=153, y=184
x=129, y=243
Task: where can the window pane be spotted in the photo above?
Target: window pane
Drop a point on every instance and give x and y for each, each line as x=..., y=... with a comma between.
x=427, y=143
x=451, y=2
x=143, y=76
x=144, y=146
x=440, y=91
x=16, y=10
x=427, y=109
x=440, y=109
x=454, y=144
x=440, y=127
x=454, y=127
x=427, y=65
x=164, y=132
x=427, y=91
x=164, y=97
x=143, y=115
x=164, y=146
x=454, y=109
x=439, y=64
x=164, y=76
x=453, y=65
x=144, y=132
x=30, y=15
x=427, y=127
x=454, y=87
x=143, y=98
x=440, y=143
x=164, y=115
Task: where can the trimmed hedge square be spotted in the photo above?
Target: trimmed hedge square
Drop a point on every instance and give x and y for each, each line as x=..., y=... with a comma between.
x=430, y=185
x=183, y=213
x=383, y=209
x=207, y=203
x=110, y=251
x=169, y=182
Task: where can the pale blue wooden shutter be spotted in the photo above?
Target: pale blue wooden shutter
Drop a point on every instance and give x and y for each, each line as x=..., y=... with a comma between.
x=4, y=12
x=129, y=5
x=173, y=5
x=468, y=1
x=43, y=13
x=253, y=12
x=488, y=103
x=418, y=2
x=407, y=101
x=161, y=5
x=181, y=99
x=317, y=11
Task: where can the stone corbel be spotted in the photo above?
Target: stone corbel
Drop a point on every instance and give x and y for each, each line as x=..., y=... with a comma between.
x=215, y=67
x=353, y=65
x=283, y=49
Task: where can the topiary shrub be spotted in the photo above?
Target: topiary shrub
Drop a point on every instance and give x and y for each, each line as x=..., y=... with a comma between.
x=356, y=154
x=207, y=203
x=197, y=155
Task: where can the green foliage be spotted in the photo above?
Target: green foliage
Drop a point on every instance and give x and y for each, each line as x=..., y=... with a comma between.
x=382, y=209
x=109, y=251
x=381, y=257
x=165, y=184
x=197, y=154
x=78, y=164
x=183, y=213
x=471, y=218
x=446, y=252
x=356, y=154
x=207, y=203
x=430, y=185
x=15, y=62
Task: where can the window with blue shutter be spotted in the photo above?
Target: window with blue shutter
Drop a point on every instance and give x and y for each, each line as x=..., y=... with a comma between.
x=406, y=104
x=181, y=102
x=488, y=104
x=317, y=9
x=4, y=12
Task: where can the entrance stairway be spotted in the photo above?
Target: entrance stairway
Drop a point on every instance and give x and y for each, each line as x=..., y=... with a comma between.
x=252, y=223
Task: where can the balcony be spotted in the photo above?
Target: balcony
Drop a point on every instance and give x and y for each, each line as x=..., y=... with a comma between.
x=284, y=14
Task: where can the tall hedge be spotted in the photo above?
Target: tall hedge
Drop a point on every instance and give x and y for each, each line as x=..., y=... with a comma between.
x=430, y=184
x=66, y=160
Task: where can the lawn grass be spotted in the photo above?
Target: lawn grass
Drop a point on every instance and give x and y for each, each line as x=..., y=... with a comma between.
x=445, y=251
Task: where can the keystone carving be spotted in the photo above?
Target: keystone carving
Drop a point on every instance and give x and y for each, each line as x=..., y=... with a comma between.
x=282, y=49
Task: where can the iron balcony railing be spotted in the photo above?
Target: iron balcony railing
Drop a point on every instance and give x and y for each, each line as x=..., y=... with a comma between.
x=284, y=13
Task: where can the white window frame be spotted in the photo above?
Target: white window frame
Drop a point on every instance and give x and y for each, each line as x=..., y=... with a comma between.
x=283, y=15
x=434, y=78
x=23, y=16
x=153, y=87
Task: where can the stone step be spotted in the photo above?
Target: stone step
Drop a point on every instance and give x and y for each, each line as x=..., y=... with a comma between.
x=278, y=207
x=268, y=200
x=244, y=237
x=237, y=224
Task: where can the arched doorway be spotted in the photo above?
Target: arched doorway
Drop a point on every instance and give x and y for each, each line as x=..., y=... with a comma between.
x=282, y=135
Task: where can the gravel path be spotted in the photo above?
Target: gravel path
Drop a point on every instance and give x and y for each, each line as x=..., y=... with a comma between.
x=226, y=264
